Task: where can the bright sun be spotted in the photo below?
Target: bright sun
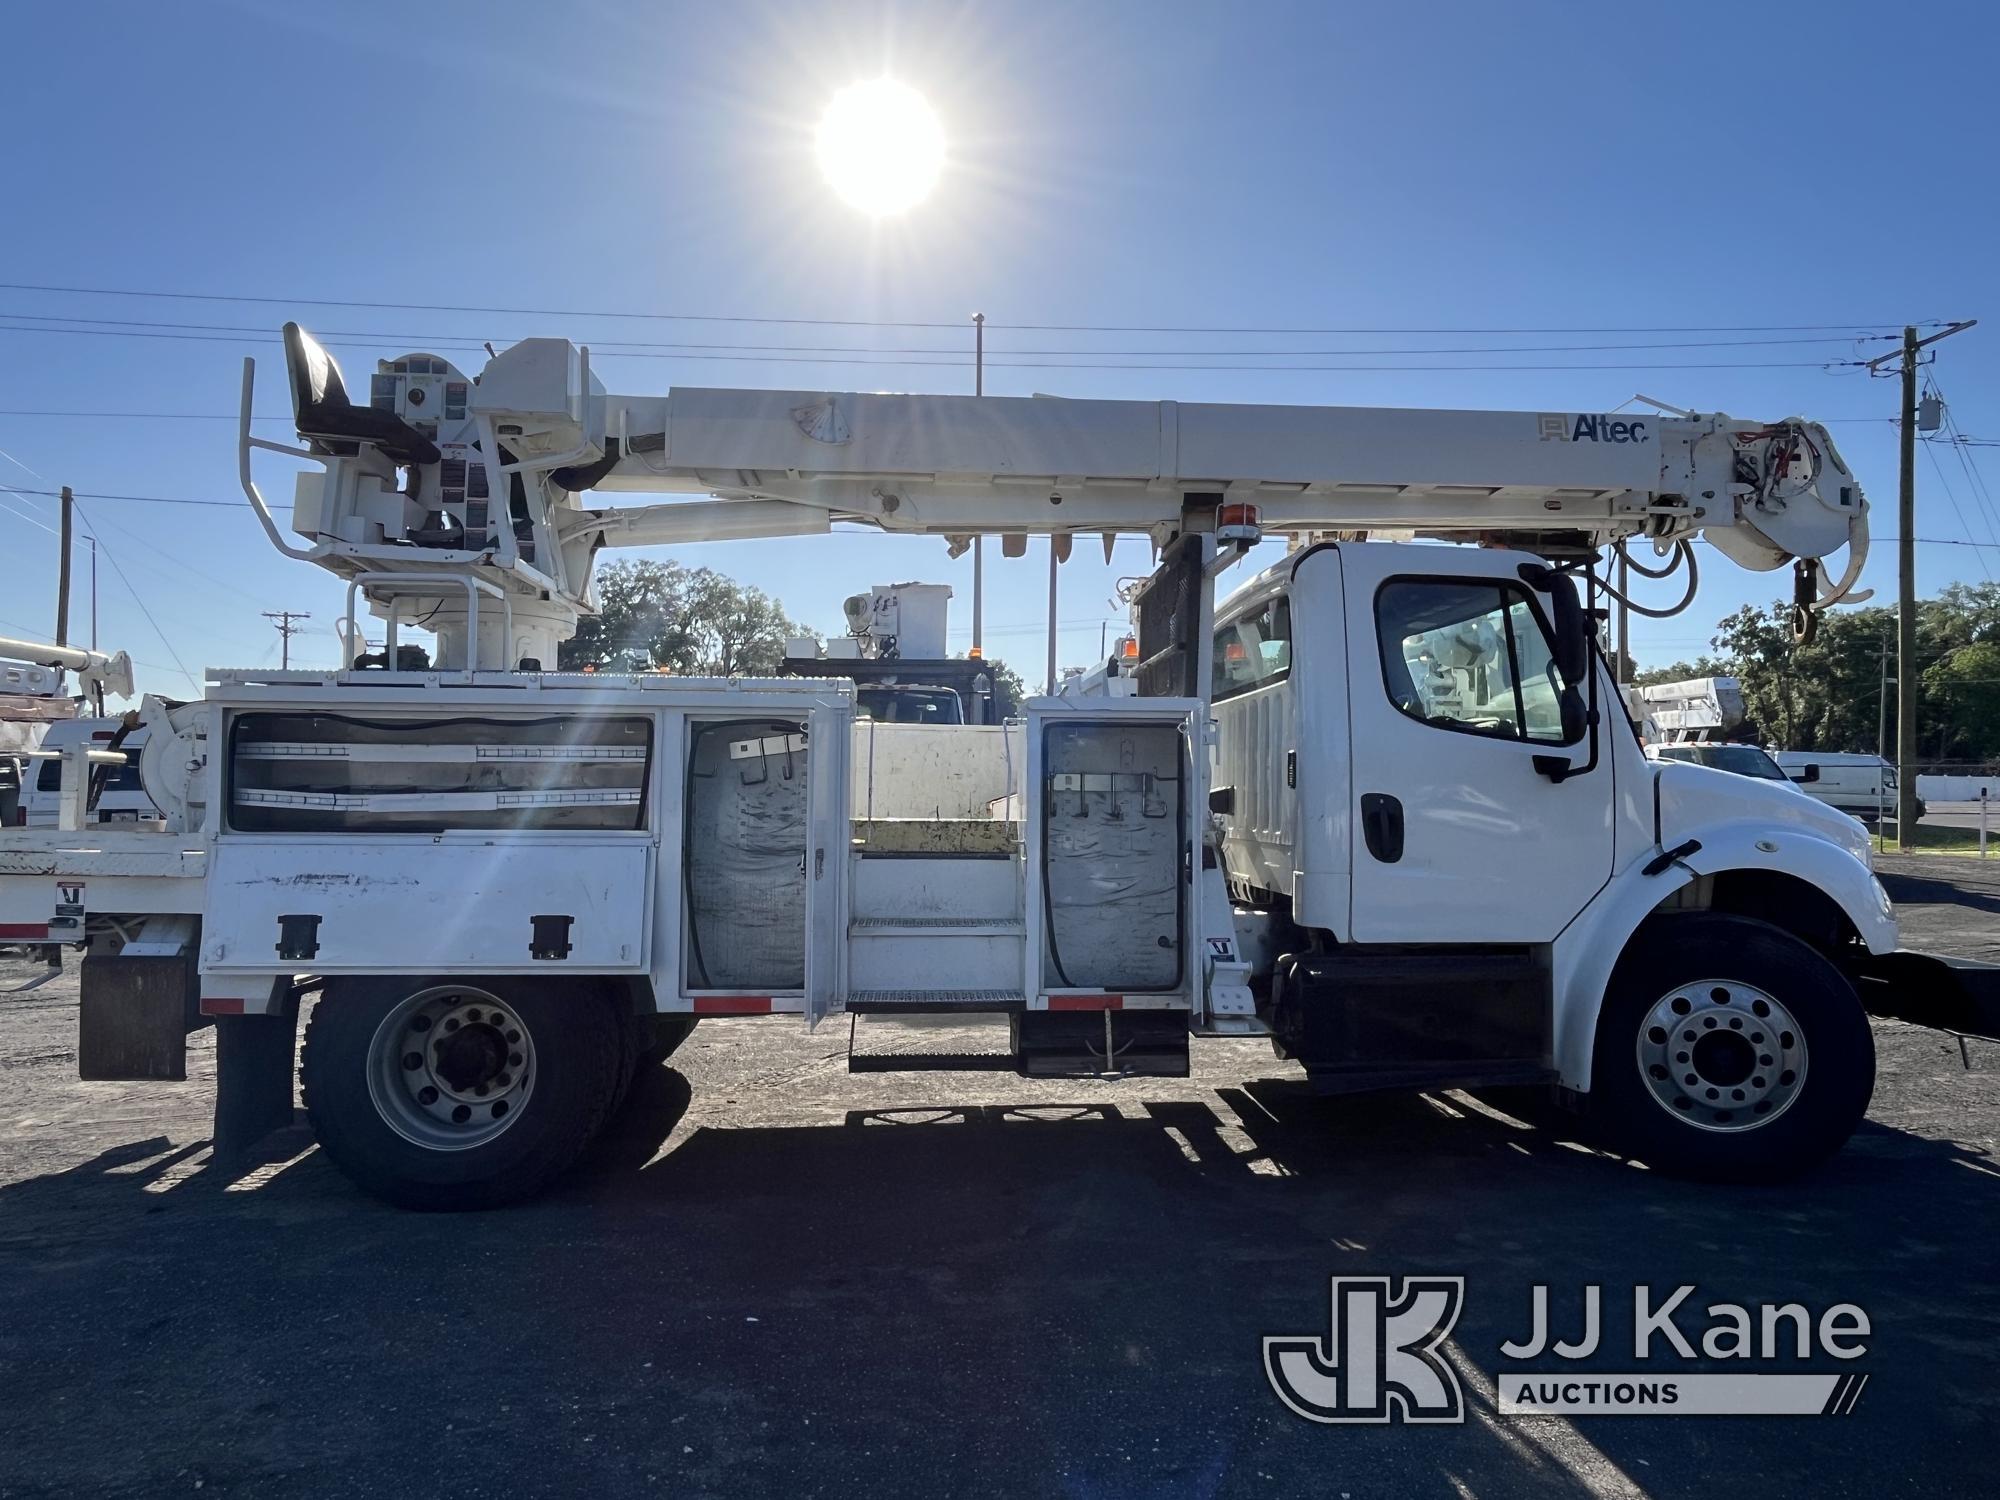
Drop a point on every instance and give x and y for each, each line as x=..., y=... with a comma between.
x=880, y=146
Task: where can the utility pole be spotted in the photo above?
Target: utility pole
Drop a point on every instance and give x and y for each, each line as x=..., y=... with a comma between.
x=62, y=570
x=1906, y=604
x=1906, y=580
x=978, y=542
x=282, y=619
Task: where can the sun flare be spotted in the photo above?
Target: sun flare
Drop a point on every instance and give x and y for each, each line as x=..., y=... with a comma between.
x=880, y=146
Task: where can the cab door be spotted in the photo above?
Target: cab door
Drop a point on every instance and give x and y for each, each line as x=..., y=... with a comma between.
x=1454, y=693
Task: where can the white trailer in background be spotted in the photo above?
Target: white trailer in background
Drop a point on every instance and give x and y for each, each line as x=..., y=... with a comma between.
x=1375, y=808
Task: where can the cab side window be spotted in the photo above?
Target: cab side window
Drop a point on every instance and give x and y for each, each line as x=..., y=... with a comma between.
x=1254, y=649
x=1470, y=656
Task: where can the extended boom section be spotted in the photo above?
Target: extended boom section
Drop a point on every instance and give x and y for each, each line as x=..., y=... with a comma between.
x=481, y=478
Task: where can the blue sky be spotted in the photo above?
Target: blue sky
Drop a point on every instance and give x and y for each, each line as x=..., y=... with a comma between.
x=1413, y=166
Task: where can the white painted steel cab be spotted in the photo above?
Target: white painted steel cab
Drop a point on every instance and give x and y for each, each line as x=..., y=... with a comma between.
x=1383, y=807
x=1445, y=837
x=1382, y=713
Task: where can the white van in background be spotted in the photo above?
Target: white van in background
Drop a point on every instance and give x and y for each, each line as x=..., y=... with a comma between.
x=123, y=798
x=1862, y=785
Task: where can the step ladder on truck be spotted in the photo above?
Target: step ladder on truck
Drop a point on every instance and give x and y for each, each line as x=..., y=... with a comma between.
x=1380, y=807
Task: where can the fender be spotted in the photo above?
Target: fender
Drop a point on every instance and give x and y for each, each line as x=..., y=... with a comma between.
x=1585, y=952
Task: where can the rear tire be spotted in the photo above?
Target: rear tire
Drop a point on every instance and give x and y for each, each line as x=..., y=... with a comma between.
x=1730, y=1051
x=668, y=1034
x=447, y=1094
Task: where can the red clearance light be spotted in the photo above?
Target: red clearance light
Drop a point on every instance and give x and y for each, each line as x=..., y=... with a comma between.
x=1129, y=648
x=1086, y=1002
x=732, y=1005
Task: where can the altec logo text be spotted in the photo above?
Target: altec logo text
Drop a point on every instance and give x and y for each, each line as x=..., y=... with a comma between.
x=1560, y=427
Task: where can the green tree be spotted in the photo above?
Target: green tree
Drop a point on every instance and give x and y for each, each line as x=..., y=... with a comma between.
x=693, y=622
x=1008, y=690
x=1831, y=694
x=1964, y=692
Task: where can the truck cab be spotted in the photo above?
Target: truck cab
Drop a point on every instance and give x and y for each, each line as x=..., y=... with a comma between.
x=1453, y=862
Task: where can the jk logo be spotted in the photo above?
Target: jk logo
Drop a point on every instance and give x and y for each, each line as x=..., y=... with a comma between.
x=1380, y=1363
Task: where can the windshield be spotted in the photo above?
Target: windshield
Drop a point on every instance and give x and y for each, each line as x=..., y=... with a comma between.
x=1738, y=760
x=909, y=705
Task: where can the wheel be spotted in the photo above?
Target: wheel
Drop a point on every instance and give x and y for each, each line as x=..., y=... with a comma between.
x=438, y=1093
x=1729, y=1050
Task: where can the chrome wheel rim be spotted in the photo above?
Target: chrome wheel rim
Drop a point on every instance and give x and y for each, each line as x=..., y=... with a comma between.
x=1722, y=1055
x=451, y=1068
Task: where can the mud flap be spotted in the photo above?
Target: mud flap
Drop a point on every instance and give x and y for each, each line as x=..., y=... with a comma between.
x=134, y=1016
x=254, y=1072
x=1929, y=989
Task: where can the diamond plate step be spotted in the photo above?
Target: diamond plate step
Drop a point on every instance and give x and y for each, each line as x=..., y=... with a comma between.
x=931, y=1062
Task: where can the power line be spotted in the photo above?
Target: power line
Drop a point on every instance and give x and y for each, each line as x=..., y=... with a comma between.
x=23, y=515
x=161, y=554
x=1973, y=474
x=468, y=345
x=956, y=356
x=547, y=312
x=281, y=621
x=178, y=664
x=1939, y=468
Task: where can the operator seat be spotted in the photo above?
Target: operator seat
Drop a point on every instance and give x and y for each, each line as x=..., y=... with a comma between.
x=329, y=422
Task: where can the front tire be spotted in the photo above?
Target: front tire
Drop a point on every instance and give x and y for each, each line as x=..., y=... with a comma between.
x=1729, y=1050
x=439, y=1093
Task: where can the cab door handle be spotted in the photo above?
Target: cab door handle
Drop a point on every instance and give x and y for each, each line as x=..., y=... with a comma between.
x=1382, y=826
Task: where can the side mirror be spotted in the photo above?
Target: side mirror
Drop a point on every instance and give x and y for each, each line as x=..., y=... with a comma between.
x=1572, y=627
x=1810, y=773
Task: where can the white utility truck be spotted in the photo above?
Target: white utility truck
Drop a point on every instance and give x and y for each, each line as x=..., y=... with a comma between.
x=1381, y=807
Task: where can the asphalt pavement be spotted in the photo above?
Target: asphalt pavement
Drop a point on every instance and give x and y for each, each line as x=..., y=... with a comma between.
x=778, y=1278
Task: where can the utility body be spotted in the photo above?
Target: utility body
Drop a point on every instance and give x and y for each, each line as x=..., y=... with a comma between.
x=1383, y=806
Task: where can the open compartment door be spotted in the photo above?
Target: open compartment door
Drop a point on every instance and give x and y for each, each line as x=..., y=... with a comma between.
x=829, y=832
x=1113, y=790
